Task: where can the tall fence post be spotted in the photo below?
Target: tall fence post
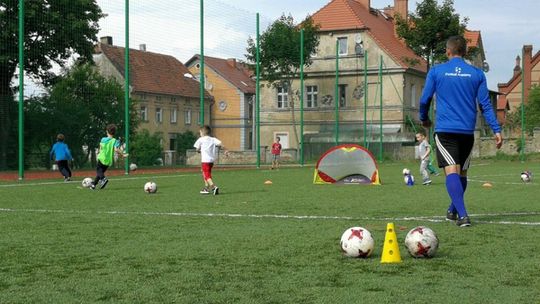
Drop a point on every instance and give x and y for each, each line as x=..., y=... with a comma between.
x=336, y=95
x=21, y=90
x=201, y=74
x=302, y=97
x=258, y=95
x=126, y=85
x=381, y=111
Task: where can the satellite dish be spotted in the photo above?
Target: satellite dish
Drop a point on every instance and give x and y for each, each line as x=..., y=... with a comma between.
x=485, y=67
x=358, y=38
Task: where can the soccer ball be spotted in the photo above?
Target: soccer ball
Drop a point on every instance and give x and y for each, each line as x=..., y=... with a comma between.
x=87, y=182
x=422, y=242
x=406, y=171
x=357, y=242
x=132, y=167
x=526, y=176
x=150, y=187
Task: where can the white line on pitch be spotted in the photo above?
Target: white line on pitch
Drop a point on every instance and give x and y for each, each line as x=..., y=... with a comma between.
x=113, y=178
x=503, y=183
x=434, y=219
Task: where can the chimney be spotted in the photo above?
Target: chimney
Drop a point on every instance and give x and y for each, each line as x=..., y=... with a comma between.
x=527, y=69
x=517, y=67
x=365, y=3
x=142, y=47
x=401, y=8
x=106, y=40
x=389, y=11
x=231, y=62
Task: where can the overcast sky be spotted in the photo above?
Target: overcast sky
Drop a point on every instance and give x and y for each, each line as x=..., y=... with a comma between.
x=172, y=27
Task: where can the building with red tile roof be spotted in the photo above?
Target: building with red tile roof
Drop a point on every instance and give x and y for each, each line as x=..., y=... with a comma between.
x=525, y=75
x=362, y=34
x=165, y=92
x=231, y=84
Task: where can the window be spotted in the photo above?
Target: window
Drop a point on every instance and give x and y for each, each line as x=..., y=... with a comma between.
x=143, y=96
x=144, y=113
x=342, y=46
x=173, y=99
x=282, y=97
x=159, y=115
x=174, y=115
x=413, y=95
x=158, y=98
x=311, y=95
x=187, y=117
x=342, y=95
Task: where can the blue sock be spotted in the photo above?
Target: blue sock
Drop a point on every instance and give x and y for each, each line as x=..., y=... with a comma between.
x=455, y=191
x=463, y=180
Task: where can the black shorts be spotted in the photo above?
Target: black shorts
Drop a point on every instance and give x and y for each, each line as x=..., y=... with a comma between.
x=454, y=149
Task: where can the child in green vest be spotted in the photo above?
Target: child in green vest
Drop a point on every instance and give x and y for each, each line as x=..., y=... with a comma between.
x=107, y=147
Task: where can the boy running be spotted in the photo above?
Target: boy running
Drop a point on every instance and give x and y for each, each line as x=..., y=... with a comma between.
x=208, y=146
x=107, y=147
x=60, y=152
x=424, y=151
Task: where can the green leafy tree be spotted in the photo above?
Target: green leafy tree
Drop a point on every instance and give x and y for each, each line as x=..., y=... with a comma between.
x=532, y=113
x=427, y=30
x=146, y=148
x=81, y=104
x=54, y=30
x=280, y=54
x=185, y=142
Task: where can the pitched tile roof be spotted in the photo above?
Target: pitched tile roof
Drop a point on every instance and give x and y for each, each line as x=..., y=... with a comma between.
x=352, y=15
x=235, y=72
x=473, y=38
x=153, y=73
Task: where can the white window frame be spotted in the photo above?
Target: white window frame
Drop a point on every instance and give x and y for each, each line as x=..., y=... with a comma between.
x=282, y=97
x=413, y=95
x=187, y=117
x=343, y=49
x=342, y=88
x=159, y=115
x=144, y=113
x=174, y=115
x=312, y=92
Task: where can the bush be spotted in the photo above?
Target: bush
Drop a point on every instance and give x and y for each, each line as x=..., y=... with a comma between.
x=146, y=148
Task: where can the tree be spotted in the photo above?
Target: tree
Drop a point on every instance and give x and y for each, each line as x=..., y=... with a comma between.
x=185, y=142
x=146, y=149
x=54, y=30
x=532, y=113
x=81, y=104
x=280, y=54
x=427, y=30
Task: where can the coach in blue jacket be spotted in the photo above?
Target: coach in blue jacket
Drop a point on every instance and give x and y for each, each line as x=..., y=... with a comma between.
x=459, y=88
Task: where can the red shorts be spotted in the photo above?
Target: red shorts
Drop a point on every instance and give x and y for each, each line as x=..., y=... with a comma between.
x=207, y=170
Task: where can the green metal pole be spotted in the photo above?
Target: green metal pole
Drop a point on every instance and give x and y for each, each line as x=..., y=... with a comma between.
x=381, y=111
x=365, y=96
x=126, y=87
x=336, y=94
x=302, y=97
x=258, y=97
x=21, y=89
x=201, y=74
x=522, y=150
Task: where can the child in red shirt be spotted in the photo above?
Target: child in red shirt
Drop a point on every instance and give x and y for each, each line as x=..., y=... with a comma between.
x=276, y=152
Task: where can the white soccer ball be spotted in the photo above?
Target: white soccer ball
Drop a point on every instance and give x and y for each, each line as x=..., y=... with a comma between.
x=132, y=167
x=526, y=176
x=406, y=171
x=87, y=182
x=150, y=187
x=422, y=242
x=357, y=242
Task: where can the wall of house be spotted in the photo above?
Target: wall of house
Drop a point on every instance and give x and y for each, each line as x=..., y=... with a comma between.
x=398, y=85
x=230, y=124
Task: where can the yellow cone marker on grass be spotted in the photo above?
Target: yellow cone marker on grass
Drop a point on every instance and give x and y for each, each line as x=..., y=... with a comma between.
x=390, y=252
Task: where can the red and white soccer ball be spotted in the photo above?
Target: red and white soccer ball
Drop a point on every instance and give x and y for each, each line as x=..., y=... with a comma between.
x=422, y=242
x=357, y=242
x=150, y=187
x=133, y=167
x=526, y=176
x=87, y=182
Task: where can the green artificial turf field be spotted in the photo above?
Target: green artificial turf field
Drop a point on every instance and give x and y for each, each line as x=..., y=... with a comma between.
x=257, y=243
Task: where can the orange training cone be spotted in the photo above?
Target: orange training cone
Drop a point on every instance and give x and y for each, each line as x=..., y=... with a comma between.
x=390, y=252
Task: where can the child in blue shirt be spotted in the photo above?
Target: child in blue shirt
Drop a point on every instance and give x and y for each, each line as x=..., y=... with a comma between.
x=60, y=152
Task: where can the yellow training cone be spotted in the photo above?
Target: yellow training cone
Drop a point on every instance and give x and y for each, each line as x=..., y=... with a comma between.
x=390, y=252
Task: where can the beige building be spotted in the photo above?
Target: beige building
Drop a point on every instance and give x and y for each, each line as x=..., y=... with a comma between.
x=233, y=89
x=165, y=92
x=360, y=31
x=526, y=74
